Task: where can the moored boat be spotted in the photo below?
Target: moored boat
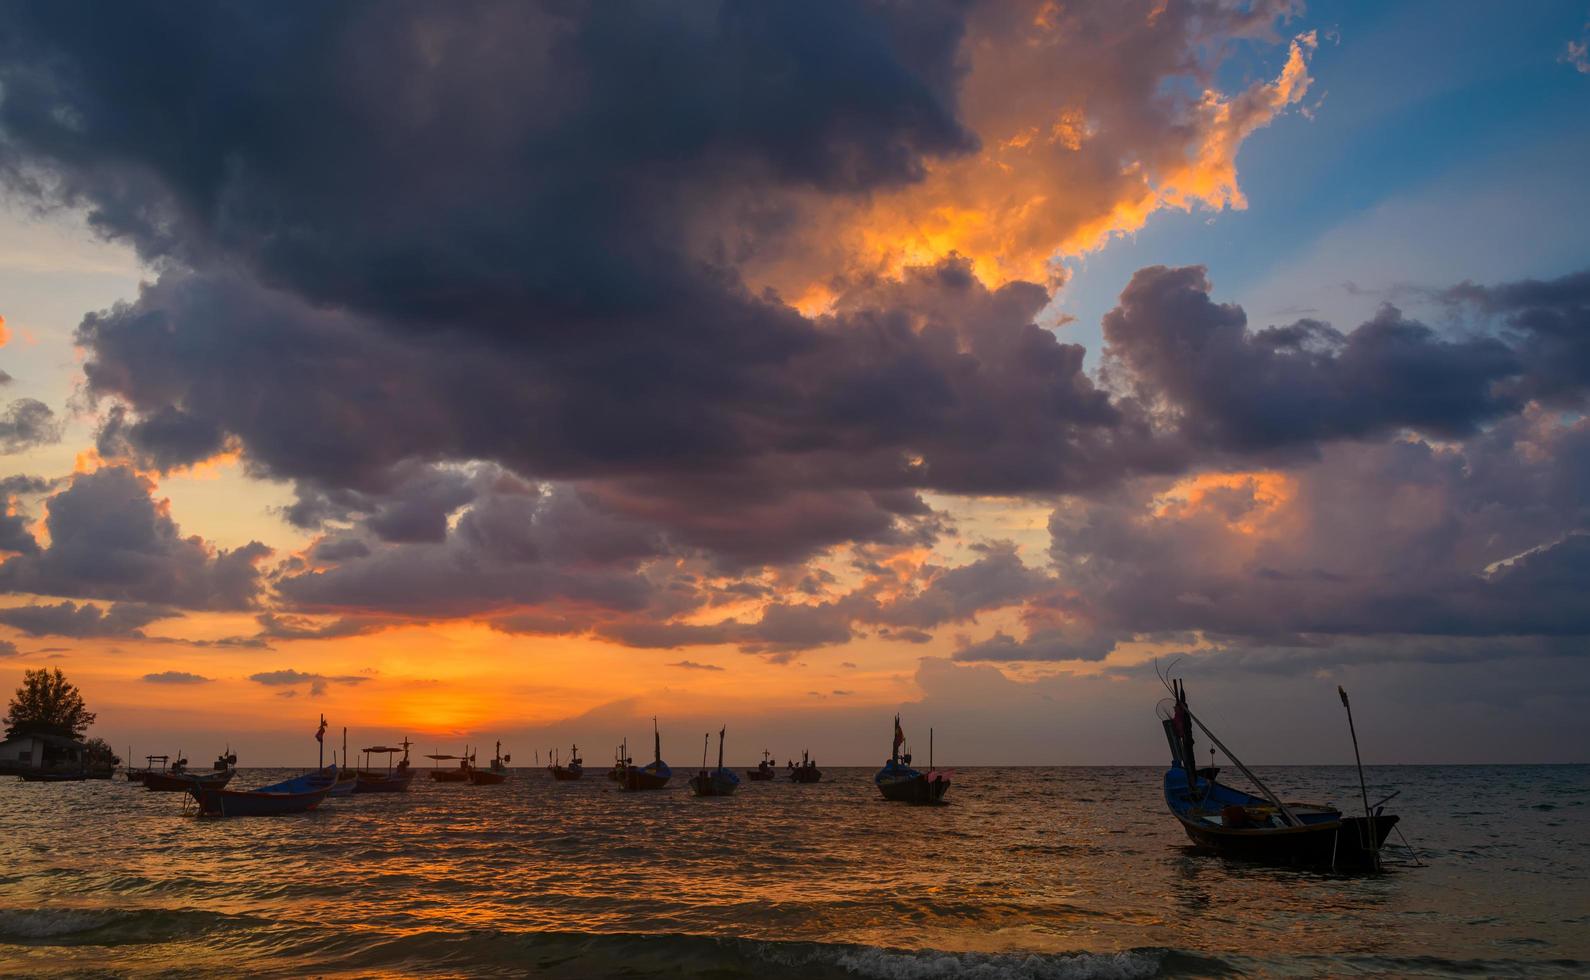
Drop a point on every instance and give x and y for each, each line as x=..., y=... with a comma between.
x=719, y=781
x=621, y=762
x=458, y=774
x=574, y=770
x=1236, y=824
x=899, y=782
x=179, y=778
x=395, y=779
x=269, y=801
x=653, y=775
x=494, y=774
x=764, y=771
x=806, y=772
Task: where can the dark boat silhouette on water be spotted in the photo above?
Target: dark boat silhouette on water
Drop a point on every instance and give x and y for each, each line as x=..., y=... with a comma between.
x=897, y=781
x=1240, y=825
x=179, y=778
x=495, y=774
x=574, y=770
x=621, y=762
x=458, y=774
x=719, y=781
x=653, y=775
x=764, y=771
x=806, y=772
x=397, y=777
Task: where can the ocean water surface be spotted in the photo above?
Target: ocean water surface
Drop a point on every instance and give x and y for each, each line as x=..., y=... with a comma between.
x=1028, y=872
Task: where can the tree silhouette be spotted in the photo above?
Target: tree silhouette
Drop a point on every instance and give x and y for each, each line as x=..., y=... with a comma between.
x=47, y=703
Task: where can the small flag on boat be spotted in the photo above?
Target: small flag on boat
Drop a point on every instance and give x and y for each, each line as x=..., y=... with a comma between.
x=320, y=734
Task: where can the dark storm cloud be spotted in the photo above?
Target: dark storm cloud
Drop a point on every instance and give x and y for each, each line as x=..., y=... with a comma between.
x=110, y=540
x=122, y=619
x=279, y=626
x=997, y=579
x=1230, y=388
x=1549, y=322
x=167, y=438
x=26, y=423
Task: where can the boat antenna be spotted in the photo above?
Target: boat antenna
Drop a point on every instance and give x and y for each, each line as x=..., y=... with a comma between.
x=1369, y=816
x=721, y=732
x=705, y=741
x=930, y=748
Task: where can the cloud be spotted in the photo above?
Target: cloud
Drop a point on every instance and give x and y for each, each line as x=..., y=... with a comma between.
x=175, y=677
x=282, y=626
x=121, y=619
x=692, y=665
x=7, y=649
x=110, y=540
x=295, y=679
x=26, y=423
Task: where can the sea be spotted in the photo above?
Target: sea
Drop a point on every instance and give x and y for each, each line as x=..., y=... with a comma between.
x=1025, y=873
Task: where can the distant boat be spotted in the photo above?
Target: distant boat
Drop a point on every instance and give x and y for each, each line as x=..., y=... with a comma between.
x=137, y=775
x=1235, y=824
x=897, y=781
x=718, y=782
x=653, y=775
x=396, y=779
x=494, y=774
x=179, y=778
x=807, y=771
x=452, y=775
x=574, y=770
x=621, y=762
x=52, y=775
x=764, y=770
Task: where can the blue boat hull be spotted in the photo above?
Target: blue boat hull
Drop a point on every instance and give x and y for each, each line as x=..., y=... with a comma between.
x=720, y=782
x=246, y=803
x=1239, y=825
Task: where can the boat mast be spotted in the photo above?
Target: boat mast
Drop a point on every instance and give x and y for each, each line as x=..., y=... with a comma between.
x=1374, y=839
x=657, y=737
x=721, y=732
x=705, y=741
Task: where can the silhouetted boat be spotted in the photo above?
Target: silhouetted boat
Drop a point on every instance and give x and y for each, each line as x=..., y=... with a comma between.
x=899, y=782
x=268, y=801
x=574, y=770
x=718, y=782
x=764, y=770
x=621, y=762
x=53, y=775
x=396, y=779
x=179, y=778
x=806, y=772
x=494, y=774
x=1235, y=824
x=453, y=775
x=137, y=775
x=653, y=775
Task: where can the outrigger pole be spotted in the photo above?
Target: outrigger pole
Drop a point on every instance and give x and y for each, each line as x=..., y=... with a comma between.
x=1286, y=811
x=1374, y=839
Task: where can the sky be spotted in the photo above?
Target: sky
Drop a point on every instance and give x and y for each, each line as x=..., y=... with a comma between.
x=528, y=371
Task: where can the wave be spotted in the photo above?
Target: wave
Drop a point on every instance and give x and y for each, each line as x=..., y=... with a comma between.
x=109, y=927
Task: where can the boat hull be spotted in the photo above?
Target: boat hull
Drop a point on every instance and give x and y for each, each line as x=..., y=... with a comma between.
x=914, y=787
x=648, y=778
x=162, y=782
x=566, y=774
x=805, y=774
x=721, y=782
x=450, y=775
x=1345, y=843
x=380, y=782
x=45, y=776
x=135, y=777
x=759, y=775
x=487, y=777
x=215, y=802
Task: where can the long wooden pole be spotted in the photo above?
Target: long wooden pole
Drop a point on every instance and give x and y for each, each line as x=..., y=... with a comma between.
x=1363, y=787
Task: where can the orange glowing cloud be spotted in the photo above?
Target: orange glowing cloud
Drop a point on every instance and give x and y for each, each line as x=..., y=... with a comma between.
x=5, y=333
x=1079, y=143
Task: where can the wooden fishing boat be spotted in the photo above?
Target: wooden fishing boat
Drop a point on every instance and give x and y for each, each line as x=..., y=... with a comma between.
x=268, y=801
x=179, y=778
x=138, y=775
x=52, y=775
x=1236, y=824
x=621, y=762
x=460, y=774
x=719, y=781
x=574, y=770
x=653, y=775
x=397, y=777
x=897, y=781
x=764, y=771
x=494, y=774
x=806, y=772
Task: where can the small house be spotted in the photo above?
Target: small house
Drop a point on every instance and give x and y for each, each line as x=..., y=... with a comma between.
x=36, y=751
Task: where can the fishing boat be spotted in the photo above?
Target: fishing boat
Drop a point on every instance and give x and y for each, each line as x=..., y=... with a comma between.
x=296, y=795
x=137, y=775
x=897, y=781
x=451, y=774
x=806, y=772
x=494, y=774
x=621, y=762
x=179, y=778
x=395, y=779
x=574, y=770
x=653, y=775
x=764, y=771
x=52, y=775
x=718, y=782
x=1236, y=824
